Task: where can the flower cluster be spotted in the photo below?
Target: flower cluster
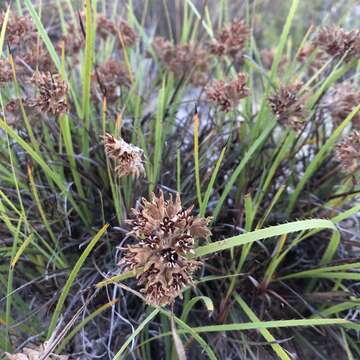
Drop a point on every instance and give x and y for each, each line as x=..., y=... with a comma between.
x=339, y=43
x=19, y=29
x=165, y=234
x=227, y=95
x=344, y=98
x=52, y=92
x=288, y=107
x=110, y=76
x=230, y=40
x=183, y=60
x=348, y=152
x=106, y=27
x=128, y=157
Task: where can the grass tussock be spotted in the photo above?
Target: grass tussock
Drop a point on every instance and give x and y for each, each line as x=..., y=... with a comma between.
x=179, y=179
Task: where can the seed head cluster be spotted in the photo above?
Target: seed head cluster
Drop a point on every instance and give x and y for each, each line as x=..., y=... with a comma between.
x=106, y=27
x=288, y=106
x=110, y=76
x=128, y=157
x=348, y=152
x=227, y=94
x=183, y=60
x=230, y=40
x=52, y=92
x=344, y=98
x=339, y=43
x=165, y=235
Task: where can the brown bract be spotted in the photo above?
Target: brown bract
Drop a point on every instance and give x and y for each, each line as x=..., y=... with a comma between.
x=230, y=40
x=52, y=92
x=348, y=152
x=183, y=60
x=339, y=43
x=165, y=234
x=227, y=94
x=288, y=106
x=128, y=157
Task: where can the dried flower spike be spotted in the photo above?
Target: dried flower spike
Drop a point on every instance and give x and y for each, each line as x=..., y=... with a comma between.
x=227, y=95
x=165, y=234
x=52, y=93
x=348, y=152
x=230, y=40
x=337, y=42
x=288, y=107
x=128, y=157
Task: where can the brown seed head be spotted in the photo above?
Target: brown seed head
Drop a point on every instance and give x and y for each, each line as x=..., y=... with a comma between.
x=288, y=107
x=183, y=60
x=106, y=27
x=227, y=95
x=337, y=42
x=344, y=98
x=231, y=39
x=110, y=76
x=165, y=234
x=348, y=152
x=128, y=157
x=19, y=29
x=52, y=92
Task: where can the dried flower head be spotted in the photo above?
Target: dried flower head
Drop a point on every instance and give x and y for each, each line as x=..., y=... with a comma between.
x=106, y=27
x=348, y=152
x=337, y=42
x=6, y=73
x=35, y=354
x=342, y=101
x=183, y=60
x=52, y=92
x=128, y=157
x=165, y=234
x=73, y=41
x=36, y=57
x=19, y=29
x=288, y=107
x=231, y=39
x=110, y=76
x=227, y=95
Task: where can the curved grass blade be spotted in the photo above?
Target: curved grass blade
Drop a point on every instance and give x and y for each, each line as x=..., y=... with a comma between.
x=72, y=277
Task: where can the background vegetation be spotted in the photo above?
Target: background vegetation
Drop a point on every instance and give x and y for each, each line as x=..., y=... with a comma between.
x=284, y=283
